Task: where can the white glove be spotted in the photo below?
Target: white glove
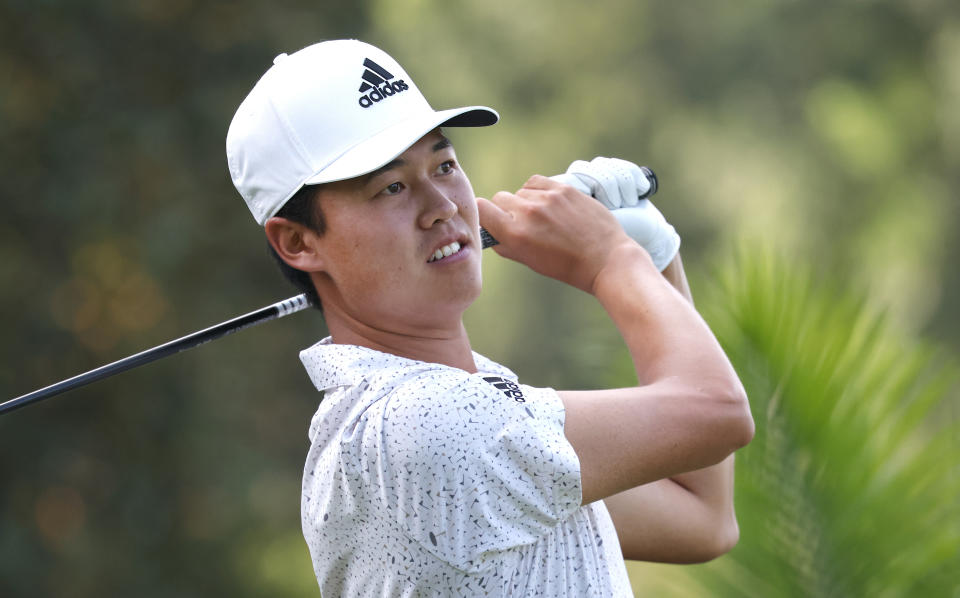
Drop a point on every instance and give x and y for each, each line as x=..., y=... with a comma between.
x=614, y=182
x=619, y=185
x=647, y=226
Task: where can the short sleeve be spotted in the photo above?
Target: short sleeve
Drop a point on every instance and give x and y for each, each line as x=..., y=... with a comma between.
x=467, y=470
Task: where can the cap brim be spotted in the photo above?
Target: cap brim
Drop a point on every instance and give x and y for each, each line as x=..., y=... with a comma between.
x=383, y=147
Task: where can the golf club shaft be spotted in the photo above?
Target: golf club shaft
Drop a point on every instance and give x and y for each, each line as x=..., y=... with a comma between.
x=264, y=314
x=270, y=312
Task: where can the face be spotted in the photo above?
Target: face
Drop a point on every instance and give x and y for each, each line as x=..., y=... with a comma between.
x=384, y=233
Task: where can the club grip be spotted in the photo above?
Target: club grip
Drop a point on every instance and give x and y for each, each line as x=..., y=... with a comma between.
x=488, y=240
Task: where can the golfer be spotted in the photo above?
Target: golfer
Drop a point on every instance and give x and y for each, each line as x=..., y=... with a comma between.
x=432, y=470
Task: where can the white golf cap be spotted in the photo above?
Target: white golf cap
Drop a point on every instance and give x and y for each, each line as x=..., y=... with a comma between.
x=332, y=111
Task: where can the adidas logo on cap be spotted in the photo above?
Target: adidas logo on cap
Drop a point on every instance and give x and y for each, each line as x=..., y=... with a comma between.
x=378, y=79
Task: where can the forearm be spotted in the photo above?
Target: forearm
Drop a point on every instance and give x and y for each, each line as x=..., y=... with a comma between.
x=677, y=278
x=666, y=337
x=688, y=410
x=712, y=485
x=692, y=511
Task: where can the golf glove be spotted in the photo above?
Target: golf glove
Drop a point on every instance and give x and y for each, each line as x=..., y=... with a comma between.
x=613, y=182
x=619, y=185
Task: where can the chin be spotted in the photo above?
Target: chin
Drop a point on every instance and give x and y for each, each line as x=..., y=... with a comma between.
x=456, y=304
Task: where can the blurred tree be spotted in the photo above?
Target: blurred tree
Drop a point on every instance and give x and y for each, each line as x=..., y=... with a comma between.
x=121, y=230
x=849, y=487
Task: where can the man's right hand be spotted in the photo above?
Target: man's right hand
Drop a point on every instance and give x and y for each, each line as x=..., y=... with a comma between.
x=555, y=230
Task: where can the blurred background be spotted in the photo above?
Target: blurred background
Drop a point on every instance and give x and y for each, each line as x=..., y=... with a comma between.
x=808, y=154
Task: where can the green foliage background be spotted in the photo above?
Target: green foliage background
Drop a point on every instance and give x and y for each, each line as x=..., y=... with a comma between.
x=809, y=154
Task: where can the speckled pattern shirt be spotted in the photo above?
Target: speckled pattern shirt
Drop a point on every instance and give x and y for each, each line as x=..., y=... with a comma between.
x=426, y=480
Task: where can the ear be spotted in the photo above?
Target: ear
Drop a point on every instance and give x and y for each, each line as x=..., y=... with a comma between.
x=295, y=243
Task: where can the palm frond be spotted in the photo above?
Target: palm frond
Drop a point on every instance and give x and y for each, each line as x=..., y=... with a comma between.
x=850, y=486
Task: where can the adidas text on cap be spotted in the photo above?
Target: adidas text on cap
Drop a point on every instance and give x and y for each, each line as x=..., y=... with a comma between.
x=332, y=111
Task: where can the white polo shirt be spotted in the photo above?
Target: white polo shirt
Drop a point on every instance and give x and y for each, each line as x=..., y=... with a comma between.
x=426, y=480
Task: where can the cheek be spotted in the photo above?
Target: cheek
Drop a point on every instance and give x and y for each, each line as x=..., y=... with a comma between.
x=366, y=265
x=369, y=265
x=469, y=211
x=467, y=202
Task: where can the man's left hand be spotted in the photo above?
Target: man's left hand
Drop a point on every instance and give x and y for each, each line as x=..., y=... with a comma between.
x=613, y=182
x=620, y=186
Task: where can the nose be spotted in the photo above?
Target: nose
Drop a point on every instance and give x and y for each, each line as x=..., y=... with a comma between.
x=437, y=206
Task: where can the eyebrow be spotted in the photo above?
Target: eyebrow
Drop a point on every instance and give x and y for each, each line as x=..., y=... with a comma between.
x=440, y=145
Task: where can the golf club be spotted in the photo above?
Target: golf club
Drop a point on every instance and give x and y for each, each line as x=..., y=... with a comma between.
x=264, y=314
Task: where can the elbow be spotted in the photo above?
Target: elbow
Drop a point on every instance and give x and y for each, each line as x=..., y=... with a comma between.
x=729, y=417
x=723, y=541
x=727, y=537
x=710, y=544
x=715, y=541
x=743, y=426
x=722, y=412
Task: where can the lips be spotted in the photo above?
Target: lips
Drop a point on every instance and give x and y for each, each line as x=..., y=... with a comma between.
x=445, y=251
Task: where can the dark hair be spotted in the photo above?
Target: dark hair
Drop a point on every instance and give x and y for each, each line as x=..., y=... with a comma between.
x=303, y=208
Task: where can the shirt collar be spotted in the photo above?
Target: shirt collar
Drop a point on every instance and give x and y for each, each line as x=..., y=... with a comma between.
x=332, y=365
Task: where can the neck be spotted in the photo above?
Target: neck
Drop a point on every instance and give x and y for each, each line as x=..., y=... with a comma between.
x=449, y=346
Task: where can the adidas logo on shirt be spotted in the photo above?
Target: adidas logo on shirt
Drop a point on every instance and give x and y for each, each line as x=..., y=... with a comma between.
x=509, y=388
x=377, y=81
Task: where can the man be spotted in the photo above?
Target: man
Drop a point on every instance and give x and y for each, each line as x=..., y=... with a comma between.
x=431, y=470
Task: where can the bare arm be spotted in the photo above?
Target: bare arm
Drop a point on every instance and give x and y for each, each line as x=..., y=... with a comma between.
x=688, y=411
x=686, y=518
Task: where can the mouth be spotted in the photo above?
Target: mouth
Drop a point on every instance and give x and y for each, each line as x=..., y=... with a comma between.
x=446, y=251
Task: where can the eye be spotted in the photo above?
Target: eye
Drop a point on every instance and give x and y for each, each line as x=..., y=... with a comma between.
x=393, y=189
x=446, y=167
